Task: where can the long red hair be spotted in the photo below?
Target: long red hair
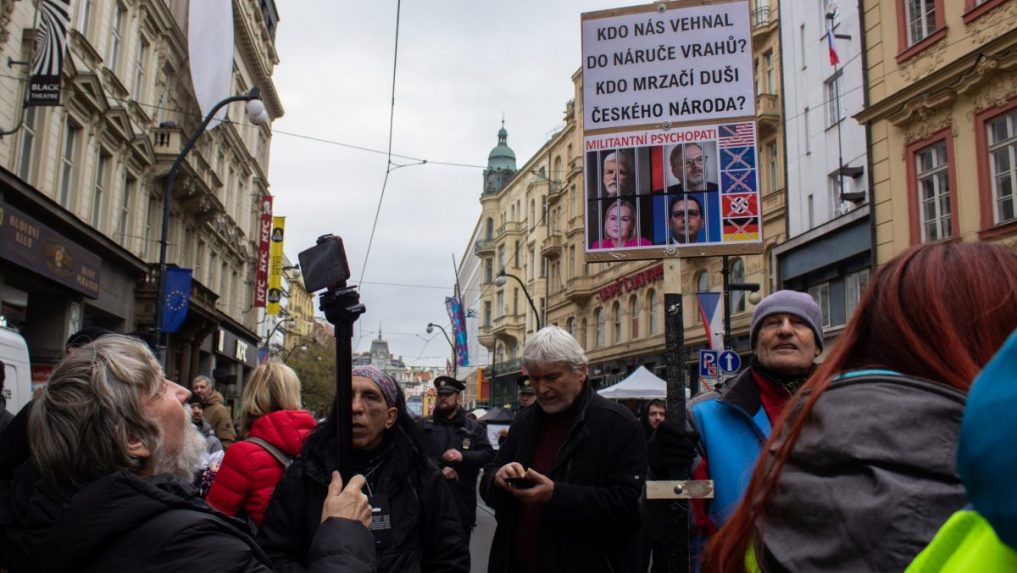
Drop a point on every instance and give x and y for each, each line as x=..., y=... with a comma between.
x=935, y=311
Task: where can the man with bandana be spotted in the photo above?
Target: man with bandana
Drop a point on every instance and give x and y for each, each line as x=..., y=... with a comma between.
x=459, y=445
x=730, y=425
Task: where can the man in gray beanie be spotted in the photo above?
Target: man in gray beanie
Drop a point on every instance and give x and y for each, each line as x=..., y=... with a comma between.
x=728, y=426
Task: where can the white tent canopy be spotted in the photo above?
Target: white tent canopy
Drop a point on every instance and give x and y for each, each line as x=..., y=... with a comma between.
x=640, y=385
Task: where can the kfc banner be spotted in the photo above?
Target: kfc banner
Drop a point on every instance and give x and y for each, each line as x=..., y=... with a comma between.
x=264, y=243
x=276, y=266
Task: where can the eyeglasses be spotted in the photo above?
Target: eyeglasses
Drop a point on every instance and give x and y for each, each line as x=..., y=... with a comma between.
x=695, y=161
x=681, y=214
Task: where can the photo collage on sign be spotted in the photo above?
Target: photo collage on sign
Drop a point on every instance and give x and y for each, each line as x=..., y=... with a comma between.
x=696, y=192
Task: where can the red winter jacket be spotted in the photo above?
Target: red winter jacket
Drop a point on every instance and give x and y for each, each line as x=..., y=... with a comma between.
x=249, y=473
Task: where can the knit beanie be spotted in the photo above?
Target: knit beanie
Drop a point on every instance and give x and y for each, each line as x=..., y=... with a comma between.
x=790, y=302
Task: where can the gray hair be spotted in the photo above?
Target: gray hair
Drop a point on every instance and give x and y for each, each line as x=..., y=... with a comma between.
x=82, y=421
x=200, y=377
x=553, y=345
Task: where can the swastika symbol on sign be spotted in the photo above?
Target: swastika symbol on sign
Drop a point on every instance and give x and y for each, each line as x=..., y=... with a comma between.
x=740, y=206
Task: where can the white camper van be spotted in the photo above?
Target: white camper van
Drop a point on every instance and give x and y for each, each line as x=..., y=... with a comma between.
x=18, y=368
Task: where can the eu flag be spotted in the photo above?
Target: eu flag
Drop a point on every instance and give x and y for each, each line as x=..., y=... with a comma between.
x=178, y=296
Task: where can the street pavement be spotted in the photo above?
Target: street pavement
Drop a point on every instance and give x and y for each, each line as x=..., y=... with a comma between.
x=480, y=543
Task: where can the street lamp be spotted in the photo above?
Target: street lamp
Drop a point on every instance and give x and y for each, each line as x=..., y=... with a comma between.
x=279, y=325
x=302, y=348
x=500, y=280
x=430, y=328
x=258, y=116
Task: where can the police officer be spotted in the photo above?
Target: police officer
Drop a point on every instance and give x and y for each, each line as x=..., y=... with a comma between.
x=527, y=395
x=459, y=445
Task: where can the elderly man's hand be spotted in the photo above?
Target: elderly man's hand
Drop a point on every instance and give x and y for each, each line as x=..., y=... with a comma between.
x=539, y=493
x=509, y=470
x=452, y=455
x=449, y=473
x=349, y=502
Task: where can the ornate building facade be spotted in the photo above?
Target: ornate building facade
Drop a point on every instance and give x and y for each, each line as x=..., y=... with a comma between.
x=90, y=174
x=942, y=113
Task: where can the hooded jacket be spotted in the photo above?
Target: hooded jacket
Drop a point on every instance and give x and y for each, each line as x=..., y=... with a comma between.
x=592, y=522
x=870, y=479
x=123, y=522
x=219, y=418
x=249, y=473
x=417, y=527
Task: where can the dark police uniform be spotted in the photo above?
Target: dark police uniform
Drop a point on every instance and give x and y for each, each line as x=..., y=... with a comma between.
x=466, y=435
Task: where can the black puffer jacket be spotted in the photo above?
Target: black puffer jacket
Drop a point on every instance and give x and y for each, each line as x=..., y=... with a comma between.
x=123, y=522
x=470, y=438
x=425, y=531
x=592, y=521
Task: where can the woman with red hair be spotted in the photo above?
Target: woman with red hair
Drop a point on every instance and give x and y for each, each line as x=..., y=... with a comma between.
x=858, y=474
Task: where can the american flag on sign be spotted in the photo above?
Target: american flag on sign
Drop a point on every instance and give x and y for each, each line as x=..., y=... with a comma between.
x=737, y=134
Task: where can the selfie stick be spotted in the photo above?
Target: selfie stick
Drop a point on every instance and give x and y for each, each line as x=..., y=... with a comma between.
x=341, y=305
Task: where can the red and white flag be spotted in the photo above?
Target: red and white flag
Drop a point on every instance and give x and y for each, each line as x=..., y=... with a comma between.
x=834, y=58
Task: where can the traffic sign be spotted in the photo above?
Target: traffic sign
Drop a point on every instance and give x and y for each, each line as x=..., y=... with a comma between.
x=708, y=366
x=729, y=361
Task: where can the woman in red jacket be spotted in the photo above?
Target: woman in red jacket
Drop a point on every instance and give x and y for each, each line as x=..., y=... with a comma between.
x=270, y=414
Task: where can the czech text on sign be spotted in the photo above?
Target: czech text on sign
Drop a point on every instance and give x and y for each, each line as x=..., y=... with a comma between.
x=681, y=65
x=264, y=244
x=276, y=265
x=29, y=243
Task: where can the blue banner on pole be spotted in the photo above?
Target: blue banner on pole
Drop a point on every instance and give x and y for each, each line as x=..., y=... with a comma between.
x=455, y=314
x=178, y=297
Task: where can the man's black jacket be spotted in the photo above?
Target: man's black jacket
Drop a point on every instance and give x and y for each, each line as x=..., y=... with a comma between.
x=592, y=521
x=470, y=438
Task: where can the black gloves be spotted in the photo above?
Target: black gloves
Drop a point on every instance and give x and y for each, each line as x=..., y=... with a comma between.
x=672, y=447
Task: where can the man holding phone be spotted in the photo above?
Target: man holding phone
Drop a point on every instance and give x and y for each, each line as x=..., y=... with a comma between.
x=566, y=483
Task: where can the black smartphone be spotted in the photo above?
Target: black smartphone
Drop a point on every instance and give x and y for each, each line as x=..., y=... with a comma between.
x=520, y=482
x=324, y=265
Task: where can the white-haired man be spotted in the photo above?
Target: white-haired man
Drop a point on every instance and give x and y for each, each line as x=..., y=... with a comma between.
x=115, y=449
x=565, y=485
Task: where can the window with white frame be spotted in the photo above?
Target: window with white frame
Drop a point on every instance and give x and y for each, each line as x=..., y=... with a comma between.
x=808, y=135
x=84, y=16
x=768, y=85
x=27, y=144
x=140, y=64
x=702, y=285
x=921, y=19
x=737, y=277
x=151, y=246
x=854, y=286
x=933, y=191
x=101, y=184
x=651, y=305
x=835, y=185
x=634, y=315
x=598, y=316
x=771, y=158
x=616, y=314
x=500, y=304
x=834, y=89
x=821, y=294
x=116, y=37
x=1002, y=134
x=71, y=135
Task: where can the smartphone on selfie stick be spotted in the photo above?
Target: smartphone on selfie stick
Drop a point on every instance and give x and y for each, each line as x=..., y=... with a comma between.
x=324, y=266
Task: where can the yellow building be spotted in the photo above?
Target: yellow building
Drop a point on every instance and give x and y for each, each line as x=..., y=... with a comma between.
x=942, y=114
x=532, y=227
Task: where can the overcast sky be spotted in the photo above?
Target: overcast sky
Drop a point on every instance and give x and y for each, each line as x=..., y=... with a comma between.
x=461, y=66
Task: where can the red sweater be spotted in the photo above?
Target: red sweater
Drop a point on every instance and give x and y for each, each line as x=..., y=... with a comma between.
x=249, y=473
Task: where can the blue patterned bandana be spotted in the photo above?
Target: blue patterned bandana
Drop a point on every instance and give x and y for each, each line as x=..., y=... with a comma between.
x=379, y=377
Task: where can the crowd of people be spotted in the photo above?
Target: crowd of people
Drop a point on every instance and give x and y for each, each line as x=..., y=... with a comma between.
x=889, y=451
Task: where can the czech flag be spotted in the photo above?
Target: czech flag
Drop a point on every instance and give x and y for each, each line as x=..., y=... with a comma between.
x=834, y=59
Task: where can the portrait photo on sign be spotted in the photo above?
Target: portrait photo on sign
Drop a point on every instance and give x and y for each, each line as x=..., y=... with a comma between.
x=678, y=187
x=620, y=173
